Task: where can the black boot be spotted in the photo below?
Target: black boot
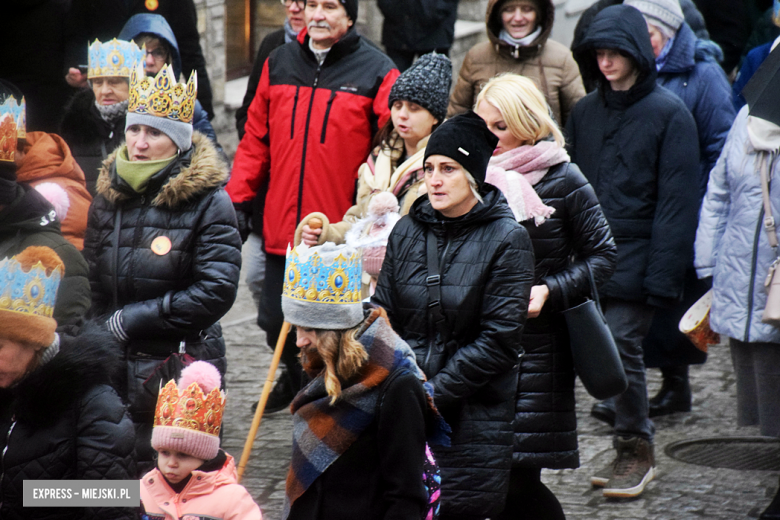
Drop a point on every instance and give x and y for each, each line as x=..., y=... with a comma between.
x=604, y=411
x=772, y=512
x=675, y=393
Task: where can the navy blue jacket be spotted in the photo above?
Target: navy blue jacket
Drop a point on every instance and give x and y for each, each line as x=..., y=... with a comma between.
x=692, y=72
x=638, y=149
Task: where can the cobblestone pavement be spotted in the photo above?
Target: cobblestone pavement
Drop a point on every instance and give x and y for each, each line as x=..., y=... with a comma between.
x=680, y=491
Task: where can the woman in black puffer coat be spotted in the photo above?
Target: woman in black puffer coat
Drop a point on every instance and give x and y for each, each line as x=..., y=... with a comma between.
x=164, y=254
x=554, y=202
x=60, y=419
x=485, y=262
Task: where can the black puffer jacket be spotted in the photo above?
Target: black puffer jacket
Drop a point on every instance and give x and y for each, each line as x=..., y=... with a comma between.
x=64, y=421
x=485, y=284
x=639, y=149
x=90, y=138
x=173, y=296
x=545, y=420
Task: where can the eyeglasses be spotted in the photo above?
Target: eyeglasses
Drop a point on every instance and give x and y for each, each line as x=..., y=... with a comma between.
x=288, y=3
x=158, y=54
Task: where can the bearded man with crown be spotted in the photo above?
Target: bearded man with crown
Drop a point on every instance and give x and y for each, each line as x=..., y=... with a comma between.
x=60, y=418
x=162, y=244
x=28, y=217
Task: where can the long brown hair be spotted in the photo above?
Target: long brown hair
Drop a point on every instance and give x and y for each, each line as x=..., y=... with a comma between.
x=343, y=356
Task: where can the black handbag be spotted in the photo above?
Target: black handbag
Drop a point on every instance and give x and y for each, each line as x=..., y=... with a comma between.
x=596, y=358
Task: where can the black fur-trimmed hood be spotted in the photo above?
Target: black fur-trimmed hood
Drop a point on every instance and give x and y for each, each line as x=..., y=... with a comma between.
x=92, y=358
x=81, y=123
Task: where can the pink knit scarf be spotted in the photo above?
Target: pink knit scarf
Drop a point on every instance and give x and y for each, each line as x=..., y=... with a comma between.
x=516, y=172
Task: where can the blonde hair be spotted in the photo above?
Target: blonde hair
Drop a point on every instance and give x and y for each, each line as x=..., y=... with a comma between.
x=525, y=111
x=343, y=356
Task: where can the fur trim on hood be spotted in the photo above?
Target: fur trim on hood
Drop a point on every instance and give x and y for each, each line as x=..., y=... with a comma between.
x=545, y=19
x=92, y=358
x=198, y=170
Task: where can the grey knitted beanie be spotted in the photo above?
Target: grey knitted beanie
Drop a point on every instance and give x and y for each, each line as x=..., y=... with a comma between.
x=667, y=12
x=427, y=83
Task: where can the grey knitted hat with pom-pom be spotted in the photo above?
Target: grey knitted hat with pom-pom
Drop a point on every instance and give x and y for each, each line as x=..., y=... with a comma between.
x=426, y=83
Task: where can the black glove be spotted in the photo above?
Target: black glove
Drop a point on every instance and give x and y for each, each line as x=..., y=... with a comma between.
x=244, y=218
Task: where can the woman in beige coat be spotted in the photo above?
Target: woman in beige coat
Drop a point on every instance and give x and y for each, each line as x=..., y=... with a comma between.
x=518, y=32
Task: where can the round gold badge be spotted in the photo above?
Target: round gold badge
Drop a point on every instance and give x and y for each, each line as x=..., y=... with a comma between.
x=161, y=246
x=152, y=5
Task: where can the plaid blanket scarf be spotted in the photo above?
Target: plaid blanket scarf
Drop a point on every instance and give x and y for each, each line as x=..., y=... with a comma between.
x=323, y=432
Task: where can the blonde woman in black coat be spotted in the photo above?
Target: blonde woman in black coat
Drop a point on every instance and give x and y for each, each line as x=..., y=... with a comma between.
x=564, y=220
x=468, y=341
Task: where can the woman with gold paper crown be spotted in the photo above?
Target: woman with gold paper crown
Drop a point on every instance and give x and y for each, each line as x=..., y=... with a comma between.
x=162, y=245
x=360, y=425
x=94, y=120
x=59, y=417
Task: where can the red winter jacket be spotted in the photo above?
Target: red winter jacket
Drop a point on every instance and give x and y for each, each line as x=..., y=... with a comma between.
x=309, y=129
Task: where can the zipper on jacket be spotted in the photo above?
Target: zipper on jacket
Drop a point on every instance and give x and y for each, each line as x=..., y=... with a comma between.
x=2, y=456
x=305, y=142
x=295, y=107
x=115, y=255
x=753, y=263
x=327, y=115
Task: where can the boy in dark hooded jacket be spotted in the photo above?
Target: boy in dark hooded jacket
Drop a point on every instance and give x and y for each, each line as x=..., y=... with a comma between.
x=636, y=142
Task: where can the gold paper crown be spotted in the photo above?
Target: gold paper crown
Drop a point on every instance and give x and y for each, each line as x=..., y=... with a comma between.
x=162, y=96
x=9, y=131
x=190, y=409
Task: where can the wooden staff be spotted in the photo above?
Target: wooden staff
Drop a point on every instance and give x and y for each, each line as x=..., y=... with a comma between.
x=314, y=223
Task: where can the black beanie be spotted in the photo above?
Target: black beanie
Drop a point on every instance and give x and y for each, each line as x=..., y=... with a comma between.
x=466, y=139
x=351, y=7
x=426, y=83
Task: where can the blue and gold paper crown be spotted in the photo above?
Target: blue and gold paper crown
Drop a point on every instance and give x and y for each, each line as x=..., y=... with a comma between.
x=322, y=287
x=32, y=292
x=314, y=280
x=163, y=96
x=9, y=132
x=114, y=58
x=19, y=112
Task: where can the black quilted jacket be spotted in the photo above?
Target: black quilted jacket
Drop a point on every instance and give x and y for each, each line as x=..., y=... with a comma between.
x=64, y=421
x=486, y=281
x=173, y=296
x=576, y=233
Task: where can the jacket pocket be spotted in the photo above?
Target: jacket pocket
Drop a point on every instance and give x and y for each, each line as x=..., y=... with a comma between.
x=295, y=106
x=327, y=116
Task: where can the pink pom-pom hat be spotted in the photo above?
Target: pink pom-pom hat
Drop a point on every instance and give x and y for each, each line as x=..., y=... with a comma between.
x=201, y=442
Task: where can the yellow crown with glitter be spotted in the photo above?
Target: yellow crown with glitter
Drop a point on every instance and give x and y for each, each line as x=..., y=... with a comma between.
x=163, y=96
x=190, y=408
x=116, y=58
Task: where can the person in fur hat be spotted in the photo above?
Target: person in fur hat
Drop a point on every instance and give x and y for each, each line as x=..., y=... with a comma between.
x=59, y=417
x=193, y=475
x=162, y=243
x=360, y=425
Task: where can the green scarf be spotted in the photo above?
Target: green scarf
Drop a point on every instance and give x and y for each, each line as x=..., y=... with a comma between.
x=138, y=173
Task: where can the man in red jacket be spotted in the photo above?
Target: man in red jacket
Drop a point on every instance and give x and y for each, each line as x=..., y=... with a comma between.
x=319, y=103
